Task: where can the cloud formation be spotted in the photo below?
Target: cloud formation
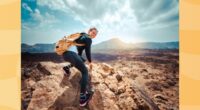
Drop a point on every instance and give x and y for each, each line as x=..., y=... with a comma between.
x=153, y=12
x=129, y=19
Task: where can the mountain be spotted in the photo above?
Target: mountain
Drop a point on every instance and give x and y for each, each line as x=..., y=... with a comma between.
x=157, y=45
x=112, y=44
x=37, y=48
x=116, y=44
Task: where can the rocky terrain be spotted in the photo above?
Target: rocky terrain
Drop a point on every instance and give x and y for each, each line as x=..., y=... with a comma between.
x=128, y=80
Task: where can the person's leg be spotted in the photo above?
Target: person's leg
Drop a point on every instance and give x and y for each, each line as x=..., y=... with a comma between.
x=82, y=68
x=77, y=62
x=82, y=59
x=67, y=68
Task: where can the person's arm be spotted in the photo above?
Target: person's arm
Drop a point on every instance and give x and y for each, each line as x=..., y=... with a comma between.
x=80, y=50
x=88, y=49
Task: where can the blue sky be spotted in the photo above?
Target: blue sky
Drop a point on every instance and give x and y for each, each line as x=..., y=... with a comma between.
x=46, y=21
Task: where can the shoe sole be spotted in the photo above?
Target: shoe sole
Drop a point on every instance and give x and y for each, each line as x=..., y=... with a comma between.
x=84, y=104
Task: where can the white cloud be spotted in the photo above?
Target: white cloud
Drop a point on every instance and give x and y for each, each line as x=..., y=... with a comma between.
x=122, y=18
x=25, y=6
x=156, y=12
x=37, y=16
x=110, y=17
x=53, y=4
x=40, y=20
x=74, y=3
x=116, y=13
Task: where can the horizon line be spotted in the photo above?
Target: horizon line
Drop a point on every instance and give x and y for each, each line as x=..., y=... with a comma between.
x=108, y=40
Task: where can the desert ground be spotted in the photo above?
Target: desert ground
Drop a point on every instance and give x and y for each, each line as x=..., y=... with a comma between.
x=139, y=79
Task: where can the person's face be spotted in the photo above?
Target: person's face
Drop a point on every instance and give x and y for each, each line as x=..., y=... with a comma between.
x=93, y=33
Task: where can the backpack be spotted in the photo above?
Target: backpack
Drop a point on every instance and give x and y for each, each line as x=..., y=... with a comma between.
x=65, y=43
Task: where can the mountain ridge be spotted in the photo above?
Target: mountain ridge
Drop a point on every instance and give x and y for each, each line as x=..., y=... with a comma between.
x=111, y=44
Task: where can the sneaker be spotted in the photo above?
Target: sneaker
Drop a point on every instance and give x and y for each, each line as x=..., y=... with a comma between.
x=67, y=70
x=84, y=98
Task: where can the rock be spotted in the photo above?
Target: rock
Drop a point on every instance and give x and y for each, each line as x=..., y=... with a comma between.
x=171, y=83
x=121, y=90
x=104, y=74
x=143, y=107
x=154, y=86
x=120, y=73
x=26, y=72
x=97, y=101
x=107, y=67
x=26, y=98
x=119, y=77
x=54, y=91
x=70, y=108
x=160, y=96
x=43, y=68
x=133, y=76
x=165, y=85
x=127, y=104
x=109, y=94
x=31, y=83
x=49, y=91
x=113, y=87
x=144, y=70
x=110, y=104
x=96, y=78
x=111, y=83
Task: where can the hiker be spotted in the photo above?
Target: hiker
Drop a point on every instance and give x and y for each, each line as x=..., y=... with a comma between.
x=77, y=61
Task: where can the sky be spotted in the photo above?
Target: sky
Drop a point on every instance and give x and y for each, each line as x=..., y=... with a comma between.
x=47, y=21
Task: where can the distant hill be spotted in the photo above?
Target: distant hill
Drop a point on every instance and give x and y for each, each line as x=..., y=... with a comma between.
x=158, y=45
x=112, y=44
x=116, y=44
x=37, y=48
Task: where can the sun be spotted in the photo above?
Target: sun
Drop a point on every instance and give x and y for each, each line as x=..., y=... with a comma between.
x=131, y=39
